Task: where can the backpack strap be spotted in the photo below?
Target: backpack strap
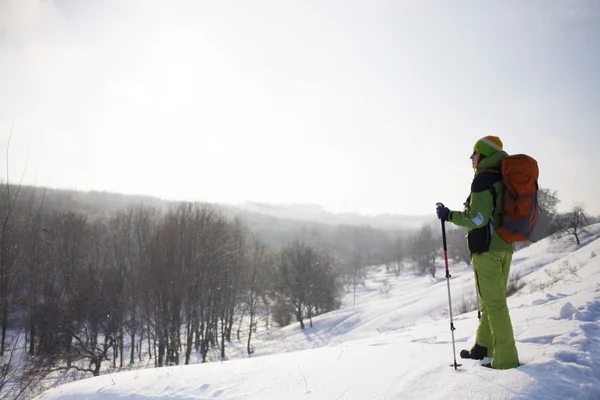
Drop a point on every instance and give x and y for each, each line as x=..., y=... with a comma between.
x=485, y=181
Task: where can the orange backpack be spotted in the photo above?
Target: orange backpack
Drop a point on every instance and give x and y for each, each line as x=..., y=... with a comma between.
x=520, y=202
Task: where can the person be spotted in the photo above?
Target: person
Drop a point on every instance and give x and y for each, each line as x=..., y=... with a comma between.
x=491, y=256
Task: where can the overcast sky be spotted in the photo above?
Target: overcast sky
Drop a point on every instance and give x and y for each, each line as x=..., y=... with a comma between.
x=360, y=106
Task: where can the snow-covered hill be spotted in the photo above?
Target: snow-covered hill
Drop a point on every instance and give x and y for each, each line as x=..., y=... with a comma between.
x=396, y=343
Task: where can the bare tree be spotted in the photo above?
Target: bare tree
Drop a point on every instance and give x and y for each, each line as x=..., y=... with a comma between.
x=295, y=264
x=74, y=316
x=547, y=220
x=354, y=273
x=308, y=281
x=233, y=261
x=261, y=266
x=129, y=238
x=324, y=289
x=573, y=223
x=423, y=250
x=548, y=201
x=11, y=251
x=167, y=284
x=457, y=245
x=396, y=254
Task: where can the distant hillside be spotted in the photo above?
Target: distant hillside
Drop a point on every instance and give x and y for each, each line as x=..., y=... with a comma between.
x=275, y=224
x=99, y=203
x=317, y=213
x=95, y=204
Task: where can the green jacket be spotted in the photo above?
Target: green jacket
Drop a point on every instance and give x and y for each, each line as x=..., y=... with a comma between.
x=480, y=209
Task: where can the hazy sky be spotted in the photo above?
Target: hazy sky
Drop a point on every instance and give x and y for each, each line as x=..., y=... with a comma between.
x=360, y=106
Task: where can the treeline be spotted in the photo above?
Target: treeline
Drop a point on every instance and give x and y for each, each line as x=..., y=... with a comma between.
x=82, y=286
x=77, y=291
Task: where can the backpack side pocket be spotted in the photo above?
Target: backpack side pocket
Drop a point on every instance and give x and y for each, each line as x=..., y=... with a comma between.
x=479, y=240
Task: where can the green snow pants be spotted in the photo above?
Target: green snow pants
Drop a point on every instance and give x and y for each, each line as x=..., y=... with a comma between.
x=495, y=328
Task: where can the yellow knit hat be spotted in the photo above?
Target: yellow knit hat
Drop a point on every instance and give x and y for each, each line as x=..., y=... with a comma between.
x=488, y=145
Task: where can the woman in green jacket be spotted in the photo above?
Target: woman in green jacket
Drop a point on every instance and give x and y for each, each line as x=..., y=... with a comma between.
x=490, y=255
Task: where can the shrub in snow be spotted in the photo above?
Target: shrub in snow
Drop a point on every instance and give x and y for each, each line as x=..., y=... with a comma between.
x=514, y=284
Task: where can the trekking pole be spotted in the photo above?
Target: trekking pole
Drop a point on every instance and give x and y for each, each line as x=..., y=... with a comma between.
x=448, y=276
x=477, y=296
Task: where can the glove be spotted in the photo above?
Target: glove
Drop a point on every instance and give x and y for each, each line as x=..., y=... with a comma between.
x=442, y=212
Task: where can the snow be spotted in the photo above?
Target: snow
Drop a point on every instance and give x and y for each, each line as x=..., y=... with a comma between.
x=399, y=345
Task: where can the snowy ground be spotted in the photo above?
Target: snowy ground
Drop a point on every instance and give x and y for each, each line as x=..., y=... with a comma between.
x=398, y=346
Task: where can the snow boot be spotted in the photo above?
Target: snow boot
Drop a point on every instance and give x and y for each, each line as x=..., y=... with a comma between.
x=477, y=352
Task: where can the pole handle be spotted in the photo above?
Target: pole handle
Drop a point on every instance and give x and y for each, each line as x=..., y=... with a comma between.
x=443, y=229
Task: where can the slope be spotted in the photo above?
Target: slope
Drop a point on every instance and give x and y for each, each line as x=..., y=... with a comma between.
x=399, y=346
